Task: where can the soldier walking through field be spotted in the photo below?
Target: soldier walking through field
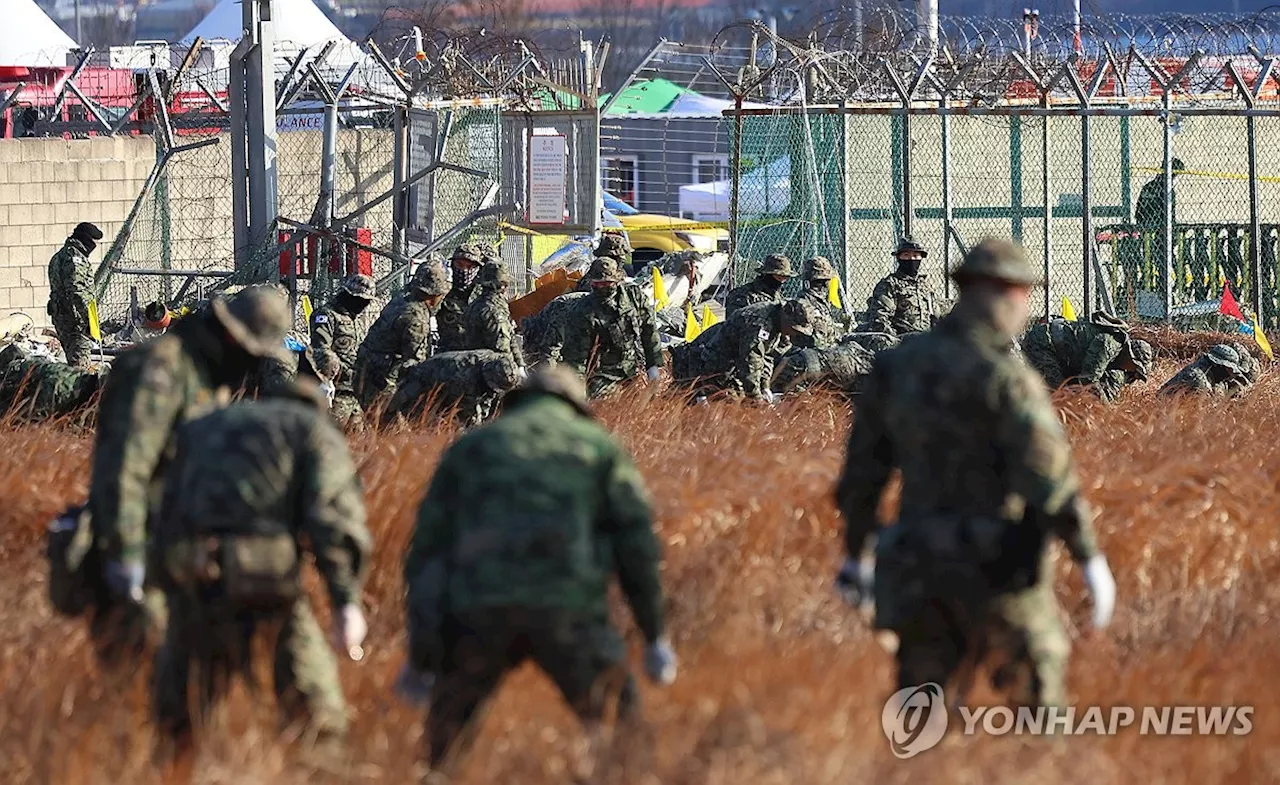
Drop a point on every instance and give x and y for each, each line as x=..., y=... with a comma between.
x=71, y=292
x=514, y=564
x=612, y=334
x=251, y=488
x=987, y=482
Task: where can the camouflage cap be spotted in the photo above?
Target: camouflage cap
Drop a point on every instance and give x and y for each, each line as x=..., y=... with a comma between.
x=776, y=264
x=471, y=252
x=819, y=268
x=613, y=245
x=998, y=260
x=361, y=286
x=431, y=278
x=1108, y=322
x=501, y=373
x=1225, y=355
x=555, y=380
x=797, y=316
x=493, y=274
x=605, y=268
x=906, y=245
x=257, y=318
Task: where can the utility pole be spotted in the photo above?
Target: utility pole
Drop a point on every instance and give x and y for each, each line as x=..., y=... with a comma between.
x=79, y=26
x=253, y=131
x=927, y=22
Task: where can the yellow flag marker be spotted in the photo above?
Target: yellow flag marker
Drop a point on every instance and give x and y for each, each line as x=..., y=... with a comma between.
x=1068, y=310
x=833, y=293
x=1261, y=338
x=659, y=290
x=708, y=318
x=95, y=328
x=691, y=327
x=307, y=310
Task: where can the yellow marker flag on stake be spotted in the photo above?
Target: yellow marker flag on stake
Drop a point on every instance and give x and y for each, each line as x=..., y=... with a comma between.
x=95, y=327
x=833, y=293
x=691, y=327
x=1068, y=310
x=307, y=310
x=660, y=299
x=1261, y=338
x=708, y=318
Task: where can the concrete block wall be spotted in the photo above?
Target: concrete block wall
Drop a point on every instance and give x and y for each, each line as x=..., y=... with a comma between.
x=47, y=186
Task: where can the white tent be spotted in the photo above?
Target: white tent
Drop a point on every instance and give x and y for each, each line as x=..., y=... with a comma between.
x=29, y=37
x=299, y=24
x=691, y=104
x=765, y=190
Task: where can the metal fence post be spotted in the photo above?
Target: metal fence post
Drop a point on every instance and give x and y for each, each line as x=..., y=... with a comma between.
x=906, y=166
x=1086, y=212
x=947, y=215
x=400, y=206
x=1255, y=227
x=735, y=181
x=1048, y=210
x=1167, y=233
x=261, y=120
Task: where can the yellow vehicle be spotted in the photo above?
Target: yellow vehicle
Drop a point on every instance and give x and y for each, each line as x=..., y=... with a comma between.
x=653, y=236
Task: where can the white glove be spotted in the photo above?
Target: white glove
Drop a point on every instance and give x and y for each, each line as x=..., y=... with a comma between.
x=660, y=662
x=414, y=687
x=769, y=397
x=521, y=374
x=330, y=391
x=653, y=373
x=1102, y=587
x=349, y=631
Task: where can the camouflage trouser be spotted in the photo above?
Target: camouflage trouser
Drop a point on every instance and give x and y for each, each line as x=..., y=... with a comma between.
x=964, y=592
x=376, y=377
x=206, y=646
x=346, y=411
x=603, y=382
x=73, y=334
x=583, y=655
x=1039, y=353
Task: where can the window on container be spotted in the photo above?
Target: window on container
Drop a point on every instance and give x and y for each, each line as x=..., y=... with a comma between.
x=622, y=178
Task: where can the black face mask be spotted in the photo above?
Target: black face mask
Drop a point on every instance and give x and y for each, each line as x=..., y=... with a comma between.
x=350, y=304
x=88, y=243
x=770, y=283
x=909, y=266
x=463, y=277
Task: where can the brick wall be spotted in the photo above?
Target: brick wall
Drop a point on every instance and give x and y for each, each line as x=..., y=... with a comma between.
x=47, y=186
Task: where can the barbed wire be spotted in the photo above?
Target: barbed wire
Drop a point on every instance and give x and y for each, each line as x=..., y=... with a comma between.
x=845, y=53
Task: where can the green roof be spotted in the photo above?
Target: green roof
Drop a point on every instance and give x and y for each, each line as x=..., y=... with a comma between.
x=646, y=96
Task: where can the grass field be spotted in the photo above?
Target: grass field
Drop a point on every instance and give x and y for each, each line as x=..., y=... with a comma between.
x=780, y=683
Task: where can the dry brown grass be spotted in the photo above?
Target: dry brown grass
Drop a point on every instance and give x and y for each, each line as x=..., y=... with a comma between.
x=780, y=683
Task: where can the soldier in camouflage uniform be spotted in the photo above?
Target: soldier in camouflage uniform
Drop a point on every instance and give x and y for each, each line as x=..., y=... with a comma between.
x=402, y=334
x=488, y=319
x=544, y=332
x=153, y=388
x=469, y=382
x=38, y=389
x=904, y=301
x=739, y=355
x=611, y=335
x=335, y=334
x=71, y=291
x=250, y=488
x=1098, y=353
x=766, y=288
x=1225, y=369
x=465, y=264
x=829, y=323
x=842, y=367
x=987, y=480
x=527, y=555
